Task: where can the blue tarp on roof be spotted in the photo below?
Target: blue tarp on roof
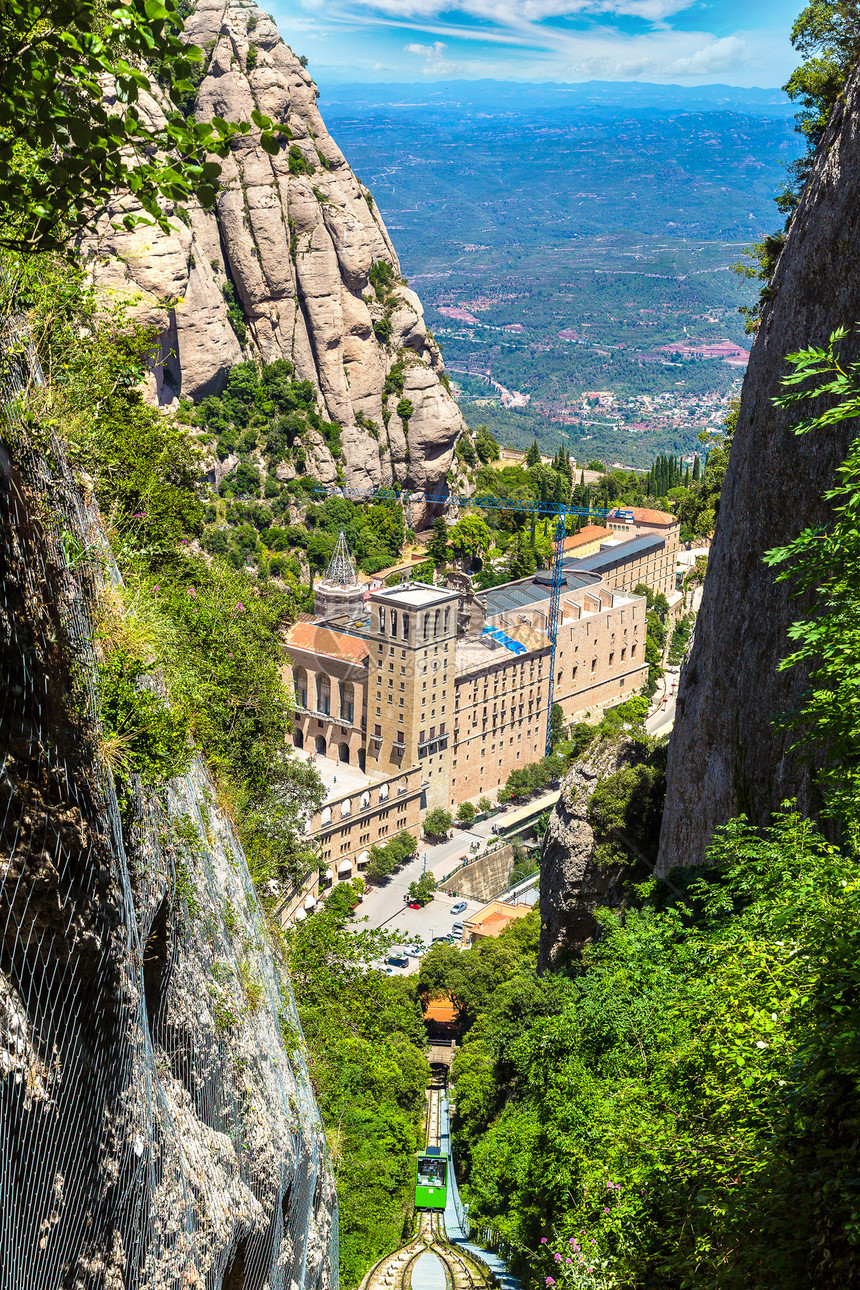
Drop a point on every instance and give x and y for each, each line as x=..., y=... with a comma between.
x=509, y=643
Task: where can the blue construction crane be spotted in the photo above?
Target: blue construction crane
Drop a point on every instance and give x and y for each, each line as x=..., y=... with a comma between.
x=505, y=504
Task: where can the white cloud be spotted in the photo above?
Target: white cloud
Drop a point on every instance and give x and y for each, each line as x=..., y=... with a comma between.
x=435, y=61
x=720, y=56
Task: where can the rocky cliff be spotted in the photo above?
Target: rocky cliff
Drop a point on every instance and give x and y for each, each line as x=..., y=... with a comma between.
x=157, y=1122
x=726, y=755
x=572, y=883
x=282, y=269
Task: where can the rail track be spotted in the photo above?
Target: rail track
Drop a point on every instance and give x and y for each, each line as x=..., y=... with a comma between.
x=394, y=1272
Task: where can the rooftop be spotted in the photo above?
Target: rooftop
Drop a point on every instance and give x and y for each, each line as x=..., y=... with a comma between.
x=339, y=777
x=589, y=533
x=414, y=594
x=316, y=639
x=621, y=553
x=529, y=591
x=642, y=515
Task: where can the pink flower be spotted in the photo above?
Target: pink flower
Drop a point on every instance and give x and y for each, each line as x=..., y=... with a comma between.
x=606, y=1211
x=239, y=608
x=543, y=1240
x=155, y=588
x=550, y=1281
x=192, y=593
x=557, y=1258
x=569, y=1262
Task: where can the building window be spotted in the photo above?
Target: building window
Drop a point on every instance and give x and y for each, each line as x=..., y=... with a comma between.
x=382, y=620
x=623, y=652
x=593, y=664
x=377, y=730
x=632, y=651
x=611, y=657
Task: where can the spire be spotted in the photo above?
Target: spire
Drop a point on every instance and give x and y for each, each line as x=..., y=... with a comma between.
x=341, y=570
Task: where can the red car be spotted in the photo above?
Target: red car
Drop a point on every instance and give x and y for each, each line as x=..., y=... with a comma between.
x=413, y=904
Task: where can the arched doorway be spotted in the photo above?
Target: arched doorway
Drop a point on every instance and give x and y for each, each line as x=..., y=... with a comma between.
x=362, y=759
x=343, y=752
x=298, y=739
x=320, y=745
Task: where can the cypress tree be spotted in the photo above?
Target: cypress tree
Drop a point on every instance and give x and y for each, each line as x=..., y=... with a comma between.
x=533, y=455
x=697, y=470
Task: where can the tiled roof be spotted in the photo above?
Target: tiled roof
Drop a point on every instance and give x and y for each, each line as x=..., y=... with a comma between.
x=642, y=515
x=590, y=533
x=323, y=640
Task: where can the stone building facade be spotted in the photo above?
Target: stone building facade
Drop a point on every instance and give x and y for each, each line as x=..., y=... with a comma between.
x=423, y=696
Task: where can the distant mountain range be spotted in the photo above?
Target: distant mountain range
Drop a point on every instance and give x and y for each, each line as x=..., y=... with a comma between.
x=506, y=96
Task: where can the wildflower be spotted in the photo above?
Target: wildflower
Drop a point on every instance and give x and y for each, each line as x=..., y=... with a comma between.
x=606, y=1211
x=155, y=588
x=192, y=593
x=550, y=1281
x=543, y=1240
x=557, y=1258
x=239, y=607
x=569, y=1262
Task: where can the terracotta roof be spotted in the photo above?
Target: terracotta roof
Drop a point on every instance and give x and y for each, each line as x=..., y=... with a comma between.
x=323, y=640
x=589, y=533
x=440, y=1010
x=642, y=515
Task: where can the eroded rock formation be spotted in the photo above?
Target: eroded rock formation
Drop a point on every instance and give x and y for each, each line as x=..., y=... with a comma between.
x=157, y=1123
x=572, y=883
x=292, y=240
x=727, y=755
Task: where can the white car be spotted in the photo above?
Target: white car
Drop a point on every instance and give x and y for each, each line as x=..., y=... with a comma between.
x=412, y=950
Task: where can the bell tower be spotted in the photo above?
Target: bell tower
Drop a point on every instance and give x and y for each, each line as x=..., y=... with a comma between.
x=339, y=596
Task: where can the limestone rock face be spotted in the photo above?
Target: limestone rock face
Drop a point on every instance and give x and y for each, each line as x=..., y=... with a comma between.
x=293, y=238
x=572, y=885
x=155, y=1096
x=726, y=755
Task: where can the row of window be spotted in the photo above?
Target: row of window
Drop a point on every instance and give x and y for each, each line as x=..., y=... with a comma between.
x=434, y=621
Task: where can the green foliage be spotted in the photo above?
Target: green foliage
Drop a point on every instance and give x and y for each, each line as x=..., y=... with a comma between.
x=826, y=562
x=556, y=726
x=422, y=889
x=141, y=735
x=365, y=1041
x=470, y=537
x=214, y=635
x=625, y=811
x=536, y=775
x=437, y=547
x=700, y=1066
x=385, y=857
x=485, y=804
x=485, y=445
x=64, y=148
x=465, y=814
x=681, y=633
x=438, y=823
x=297, y=163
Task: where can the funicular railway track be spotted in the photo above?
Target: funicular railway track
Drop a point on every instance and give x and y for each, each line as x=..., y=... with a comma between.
x=394, y=1272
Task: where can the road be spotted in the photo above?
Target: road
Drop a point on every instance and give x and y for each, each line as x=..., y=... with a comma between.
x=661, y=721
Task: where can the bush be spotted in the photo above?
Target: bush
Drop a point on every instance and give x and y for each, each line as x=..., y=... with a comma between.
x=386, y=858
x=141, y=735
x=465, y=813
x=423, y=889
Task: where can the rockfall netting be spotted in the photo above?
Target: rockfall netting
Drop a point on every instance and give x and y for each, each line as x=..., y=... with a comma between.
x=157, y=1125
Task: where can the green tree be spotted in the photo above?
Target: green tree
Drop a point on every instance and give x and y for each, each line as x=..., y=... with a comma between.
x=470, y=537
x=65, y=147
x=485, y=445
x=557, y=726
x=533, y=455
x=465, y=814
x=438, y=823
x=422, y=889
x=437, y=547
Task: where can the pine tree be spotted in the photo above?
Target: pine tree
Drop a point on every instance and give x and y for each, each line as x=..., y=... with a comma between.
x=533, y=455
x=697, y=469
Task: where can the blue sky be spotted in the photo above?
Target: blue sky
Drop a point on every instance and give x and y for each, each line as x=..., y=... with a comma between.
x=733, y=42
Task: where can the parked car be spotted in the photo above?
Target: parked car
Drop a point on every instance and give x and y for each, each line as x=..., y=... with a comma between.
x=459, y=908
x=413, y=904
x=398, y=960
x=438, y=940
x=412, y=950
x=388, y=971
x=457, y=930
